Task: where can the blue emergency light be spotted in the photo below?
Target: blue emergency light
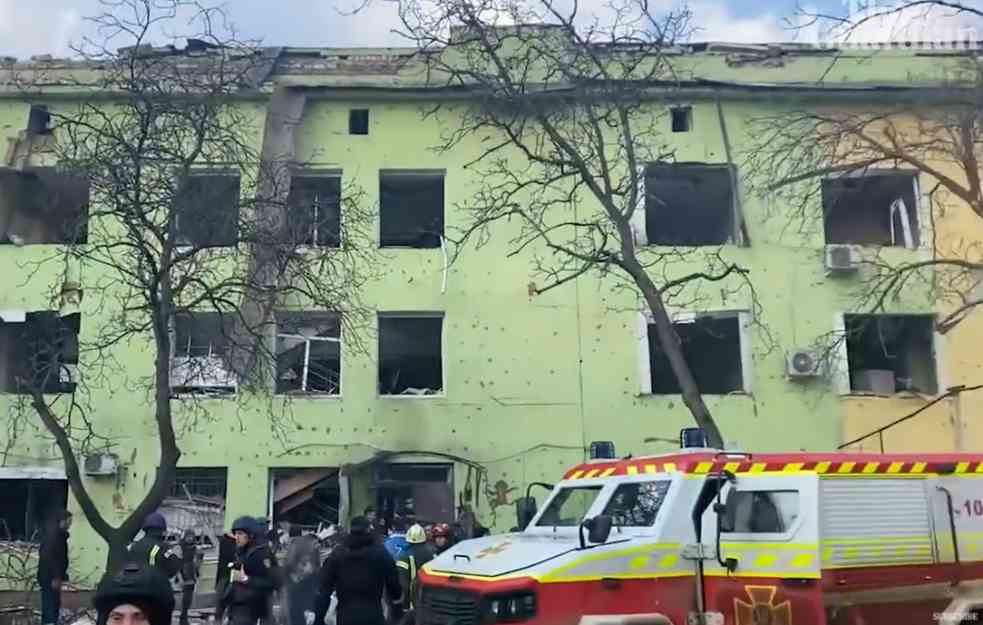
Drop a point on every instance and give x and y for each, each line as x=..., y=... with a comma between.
x=602, y=450
x=692, y=437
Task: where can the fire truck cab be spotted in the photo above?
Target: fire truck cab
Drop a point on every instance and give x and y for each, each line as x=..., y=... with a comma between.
x=719, y=538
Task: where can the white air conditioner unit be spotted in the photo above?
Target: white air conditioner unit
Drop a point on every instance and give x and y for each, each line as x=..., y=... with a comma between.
x=101, y=465
x=801, y=364
x=842, y=258
x=204, y=373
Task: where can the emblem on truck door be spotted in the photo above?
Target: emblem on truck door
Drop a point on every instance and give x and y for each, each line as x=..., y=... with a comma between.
x=493, y=551
x=762, y=610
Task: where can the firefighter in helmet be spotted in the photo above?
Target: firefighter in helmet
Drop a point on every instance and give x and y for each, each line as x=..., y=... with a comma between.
x=152, y=548
x=416, y=554
x=441, y=538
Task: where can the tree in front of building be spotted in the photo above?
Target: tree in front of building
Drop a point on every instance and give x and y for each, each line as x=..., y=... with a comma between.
x=180, y=234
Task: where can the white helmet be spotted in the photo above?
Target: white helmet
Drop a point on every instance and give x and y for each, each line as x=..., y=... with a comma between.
x=416, y=535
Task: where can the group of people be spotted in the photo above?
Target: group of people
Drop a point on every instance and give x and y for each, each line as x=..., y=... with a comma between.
x=369, y=576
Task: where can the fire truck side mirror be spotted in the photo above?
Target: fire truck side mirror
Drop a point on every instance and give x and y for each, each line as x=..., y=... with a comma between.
x=599, y=528
x=525, y=511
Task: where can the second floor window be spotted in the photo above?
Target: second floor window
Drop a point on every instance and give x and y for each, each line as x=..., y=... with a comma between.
x=201, y=354
x=208, y=210
x=314, y=211
x=308, y=353
x=411, y=209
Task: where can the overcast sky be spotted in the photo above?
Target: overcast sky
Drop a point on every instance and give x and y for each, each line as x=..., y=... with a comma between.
x=29, y=27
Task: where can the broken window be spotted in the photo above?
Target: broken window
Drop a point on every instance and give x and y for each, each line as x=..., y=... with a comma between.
x=891, y=353
x=39, y=120
x=410, y=355
x=308, y=353
x=201, y=351
x=411, y=209
x=208, y=210
x=197, y=503
x=358, y=122
x=27, y=505
x=40, y=351
x=423, y=491
x=878, y=208
x=682, y=118
x=42, y=205
x=689, y=205
x=306, y=497
x=314, y=214
x=718, y=334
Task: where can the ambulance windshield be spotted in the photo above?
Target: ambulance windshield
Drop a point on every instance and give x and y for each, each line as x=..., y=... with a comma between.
x=636, y=504
x=569, y=507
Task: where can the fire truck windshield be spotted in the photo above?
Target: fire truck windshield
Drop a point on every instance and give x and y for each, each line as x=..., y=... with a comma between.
x=569, y=507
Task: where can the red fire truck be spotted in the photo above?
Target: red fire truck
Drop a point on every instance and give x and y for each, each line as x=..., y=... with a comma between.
x=720, y=538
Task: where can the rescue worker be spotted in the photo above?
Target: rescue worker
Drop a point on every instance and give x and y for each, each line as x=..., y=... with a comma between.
x=136, y=595
x=441, y=538
x=153, y=549
x=254, y=577
x=409, y=563
x=189, y=572
x=397, y=537
x=360, y=571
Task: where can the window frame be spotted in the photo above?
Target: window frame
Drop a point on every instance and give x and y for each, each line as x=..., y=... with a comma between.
x=443, y=351
x=316, y=173
x=922, y=210
x=175, y=355
x=744, y=320
x=414, y=173
x=204, y=171
x=303, y=393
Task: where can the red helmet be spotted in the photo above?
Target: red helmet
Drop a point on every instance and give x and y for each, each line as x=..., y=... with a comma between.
x=442, y=529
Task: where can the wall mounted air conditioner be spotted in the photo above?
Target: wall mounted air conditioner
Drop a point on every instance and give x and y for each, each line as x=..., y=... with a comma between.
x=842, y=258
x=101, y=465
x=801, y=364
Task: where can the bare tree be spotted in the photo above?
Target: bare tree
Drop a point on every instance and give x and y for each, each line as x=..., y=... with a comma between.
x=896, y=14
x=180, y=216
x=568, y=117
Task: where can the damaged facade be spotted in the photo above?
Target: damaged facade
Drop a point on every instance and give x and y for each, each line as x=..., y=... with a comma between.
x=471, y=388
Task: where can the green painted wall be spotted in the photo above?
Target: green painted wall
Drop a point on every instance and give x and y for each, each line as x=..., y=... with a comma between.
x=529, y=381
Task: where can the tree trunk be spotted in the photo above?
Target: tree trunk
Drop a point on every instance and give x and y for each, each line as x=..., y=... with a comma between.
x=669, y=341
x=117, y=552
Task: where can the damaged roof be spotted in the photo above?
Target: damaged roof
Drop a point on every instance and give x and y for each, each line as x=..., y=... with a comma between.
x=906, y=65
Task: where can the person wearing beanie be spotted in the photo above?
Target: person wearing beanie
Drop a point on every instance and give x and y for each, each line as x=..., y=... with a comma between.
x=360, y=571
x=411, y=560
x=152, y=548
x=136, y=594
x=254, y=577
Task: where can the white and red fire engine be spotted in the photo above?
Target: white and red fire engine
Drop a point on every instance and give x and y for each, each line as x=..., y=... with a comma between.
x=722, y=538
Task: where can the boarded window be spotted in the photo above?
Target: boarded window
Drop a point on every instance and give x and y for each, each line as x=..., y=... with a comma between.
x=208, y=211
x=314, y=214
x=410, y=355
x=43, y=206
x=411, y=209
x=26, y=507
x=689, y=205
x=875, y=209
x=201, y=348
x=308, y=353
x=891, y=353
x=42, y=352
x=718, y=334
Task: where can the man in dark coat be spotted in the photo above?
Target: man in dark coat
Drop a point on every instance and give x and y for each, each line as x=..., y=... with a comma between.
x=53, y=565
x=189, y=572
x=152, y=548
x=255, y=575
x=138, y=594
x=302, y=566
x=359, y=570
x=226, y=557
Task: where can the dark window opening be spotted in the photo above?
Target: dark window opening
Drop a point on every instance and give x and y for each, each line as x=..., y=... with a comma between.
x=306, y=497
x=42, y=352
x=423, y=492
x=719, y=335
x=27, y=506
x=891, y=353
x=205, y=482
x=308, y=353
x=314, y=214
x=358, y=122
x=208, y=211
x=201, y=350
x=764, y=512
x=876, y=209
x=410, y=355
x=689, y=205
x=197, y=503
x=39, y=120
x=42, y=205
x=682, y=118
x=411, y=210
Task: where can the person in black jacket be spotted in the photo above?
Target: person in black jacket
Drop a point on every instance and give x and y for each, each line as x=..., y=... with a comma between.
x=302, y=565
x=189, y=572
x=138, y=594
x=53, y=565
x=255, y=575
x=226, y=557
x=152, y=548
x=359, y=570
